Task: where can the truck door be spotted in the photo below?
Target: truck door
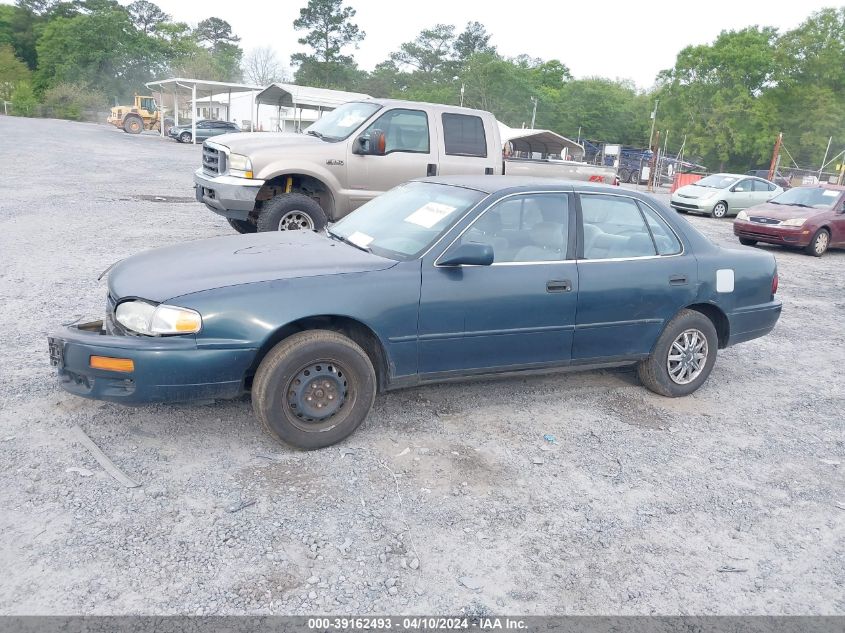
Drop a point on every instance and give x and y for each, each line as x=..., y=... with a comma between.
x=465, y=148
x=409, y=153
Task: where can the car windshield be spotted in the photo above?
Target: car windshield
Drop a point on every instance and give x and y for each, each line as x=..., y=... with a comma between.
x=402, y=223
x=717, y=181
x=338, y=124
x=815, y=197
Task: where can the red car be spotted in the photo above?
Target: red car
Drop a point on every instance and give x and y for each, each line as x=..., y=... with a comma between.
x=812, y=218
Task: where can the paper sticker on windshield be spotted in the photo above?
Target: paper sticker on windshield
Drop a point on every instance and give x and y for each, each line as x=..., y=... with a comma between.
x=830, y=193
x=430, y=214
x=350, y=119
x=360, y=239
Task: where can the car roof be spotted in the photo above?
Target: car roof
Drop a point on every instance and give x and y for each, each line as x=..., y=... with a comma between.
x=516, y=184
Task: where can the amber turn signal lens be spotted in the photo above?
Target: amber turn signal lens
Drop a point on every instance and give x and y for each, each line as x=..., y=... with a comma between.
x=125, y=365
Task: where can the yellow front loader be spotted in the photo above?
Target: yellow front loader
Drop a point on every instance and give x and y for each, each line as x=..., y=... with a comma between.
x=144, y=115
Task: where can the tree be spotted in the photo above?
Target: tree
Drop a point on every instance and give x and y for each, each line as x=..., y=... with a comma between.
x=713, y=95
x=146, y=16
x=215, y=32
x=17, y=28
x=474, y=39
x=23, y=100
x=261, y=67
x=432, y=51
x=12, y=71
x=329, y=30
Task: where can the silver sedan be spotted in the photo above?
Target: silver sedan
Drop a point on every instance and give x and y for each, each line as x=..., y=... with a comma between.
x=721, y=195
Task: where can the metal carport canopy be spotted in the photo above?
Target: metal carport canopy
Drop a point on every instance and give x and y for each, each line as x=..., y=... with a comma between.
x=173, y=84
x=543, y=141
x=293, y=96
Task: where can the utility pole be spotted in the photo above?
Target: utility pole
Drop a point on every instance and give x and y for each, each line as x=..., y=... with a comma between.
x=534, y=114
x=653, y=163
x=653, y=120
x=775, y=156
x=824, y=160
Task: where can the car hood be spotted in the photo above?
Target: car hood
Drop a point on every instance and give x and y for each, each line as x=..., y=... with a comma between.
x=693, y=191
x=783, y=212
x=250, y=143
x=163, y=273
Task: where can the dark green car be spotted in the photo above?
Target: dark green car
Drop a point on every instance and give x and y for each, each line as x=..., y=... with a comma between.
x=205, y=129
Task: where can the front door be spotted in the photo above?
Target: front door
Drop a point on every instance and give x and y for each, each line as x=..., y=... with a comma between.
x=742, y=195
x=634, y=276
x=518, y=312
x=409, y=153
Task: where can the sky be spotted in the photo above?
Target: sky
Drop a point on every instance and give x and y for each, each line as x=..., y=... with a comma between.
x=631, y=39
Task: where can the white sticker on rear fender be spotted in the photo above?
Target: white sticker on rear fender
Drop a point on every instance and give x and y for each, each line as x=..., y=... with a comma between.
x=725, y=280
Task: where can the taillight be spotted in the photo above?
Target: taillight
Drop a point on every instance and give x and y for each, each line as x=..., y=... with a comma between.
x=775, y=284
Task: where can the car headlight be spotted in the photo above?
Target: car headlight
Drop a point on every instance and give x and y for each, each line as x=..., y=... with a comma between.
x=240, y=165
x=793, y=222
x=742, y=215
x=145, y=318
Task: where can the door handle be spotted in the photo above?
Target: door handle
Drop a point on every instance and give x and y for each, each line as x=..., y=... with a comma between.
x=431, y=170
x=558, y=285
x=677, y=280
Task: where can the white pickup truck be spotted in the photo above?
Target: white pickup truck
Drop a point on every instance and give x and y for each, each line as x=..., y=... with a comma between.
x=272, y=182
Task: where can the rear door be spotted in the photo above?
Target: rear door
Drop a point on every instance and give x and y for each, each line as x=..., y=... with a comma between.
x=465, y=146
x=409, y=153
x=763, y=191
x=634, y=275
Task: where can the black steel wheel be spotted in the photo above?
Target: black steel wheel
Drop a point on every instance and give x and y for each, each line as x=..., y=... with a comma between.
x=313, y=389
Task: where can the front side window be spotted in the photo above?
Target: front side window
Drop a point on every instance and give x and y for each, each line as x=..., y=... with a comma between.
x=463, y=135
x=341, y=122
x=744, y=186
x=404, y=131
x=524, y=228
x=614, y=228
x=404, y=222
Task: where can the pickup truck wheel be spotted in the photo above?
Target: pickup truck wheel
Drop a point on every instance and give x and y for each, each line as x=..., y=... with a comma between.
x=683, y=356
x=242, y=226
x=313, y=389
x=292, y=212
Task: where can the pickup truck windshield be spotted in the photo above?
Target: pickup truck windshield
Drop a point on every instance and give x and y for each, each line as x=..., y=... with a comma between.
x=405, y=221
x=338, y=124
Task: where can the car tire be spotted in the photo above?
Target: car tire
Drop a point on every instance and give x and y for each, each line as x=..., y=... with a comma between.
x=624, y=175
x=720, y=210
x=634, y=177
x=747, y=242
x=185, y=137
x=242, y=226
x=819, y=244
x=133, y=125
x=291, y=212
x=307, y=372
x=679, y=377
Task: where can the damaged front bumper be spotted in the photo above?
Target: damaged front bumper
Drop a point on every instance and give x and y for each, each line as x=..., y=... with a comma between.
x=163, y=368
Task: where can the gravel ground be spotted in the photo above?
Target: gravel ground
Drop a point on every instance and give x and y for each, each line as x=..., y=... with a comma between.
x=447, y=500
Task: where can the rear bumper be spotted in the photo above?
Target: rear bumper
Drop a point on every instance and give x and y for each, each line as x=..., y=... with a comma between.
x=229, y=196
x=753, y=321
x=796, y=236
x=166, y=369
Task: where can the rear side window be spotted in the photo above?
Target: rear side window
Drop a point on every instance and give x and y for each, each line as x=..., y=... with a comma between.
x=665, y=240
x=759, y=185
x=614, y=228
x=463, y=135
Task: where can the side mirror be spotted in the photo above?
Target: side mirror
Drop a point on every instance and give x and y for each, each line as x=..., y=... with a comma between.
x=468, y=254
x=374, y=145
x=737, y=189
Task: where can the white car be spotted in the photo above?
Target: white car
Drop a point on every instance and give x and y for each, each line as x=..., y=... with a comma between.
x=721, y=195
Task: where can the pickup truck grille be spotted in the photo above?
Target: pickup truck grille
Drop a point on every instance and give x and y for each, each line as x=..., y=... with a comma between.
x=213, y=160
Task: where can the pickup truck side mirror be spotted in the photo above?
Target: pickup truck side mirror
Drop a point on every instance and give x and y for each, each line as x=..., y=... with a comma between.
x=375, y=145
x=468, y=254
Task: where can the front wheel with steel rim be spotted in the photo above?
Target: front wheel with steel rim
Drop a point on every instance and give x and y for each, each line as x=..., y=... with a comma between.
x=818, y=245
x=683, y=356
x=720, y=210
x=313, y=389
x=291, y=212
